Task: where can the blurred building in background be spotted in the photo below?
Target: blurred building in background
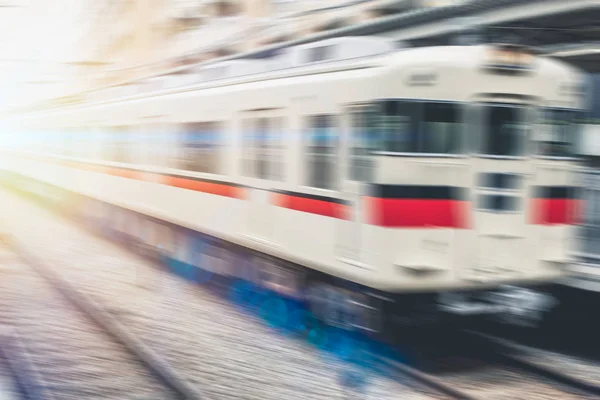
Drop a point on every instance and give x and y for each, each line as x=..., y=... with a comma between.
x=121, y=45
x=136, y=38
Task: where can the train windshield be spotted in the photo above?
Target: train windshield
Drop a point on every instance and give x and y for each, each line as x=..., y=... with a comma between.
x=559, y=133
x=399, y=124
x=442, y=129
x=504, y=130
x=431, y=127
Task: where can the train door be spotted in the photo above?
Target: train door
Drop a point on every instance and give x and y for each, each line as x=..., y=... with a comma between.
x=502, y=180
x=263, y=163
x=590, y=225
x=357, y=173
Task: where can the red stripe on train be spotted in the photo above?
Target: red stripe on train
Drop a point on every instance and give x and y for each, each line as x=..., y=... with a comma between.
x=220, y=189
x=206, y=187
x=556, y=211
x=418, y=213
x=312, y=206
x=125, y=173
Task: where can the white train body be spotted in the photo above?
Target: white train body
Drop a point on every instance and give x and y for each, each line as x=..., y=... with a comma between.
x=458, y=183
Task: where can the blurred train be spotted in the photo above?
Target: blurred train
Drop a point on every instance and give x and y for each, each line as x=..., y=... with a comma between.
x=582, y=284
x=388, y=177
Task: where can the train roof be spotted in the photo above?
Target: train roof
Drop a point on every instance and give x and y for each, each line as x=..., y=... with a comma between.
x=328, y=56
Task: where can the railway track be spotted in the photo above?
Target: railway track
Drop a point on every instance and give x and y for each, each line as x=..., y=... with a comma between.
x=487, y=381
x=68, y=346
x=20, y=380
x=424, y=383
x=493, y=372
x=557, y=367
x=210, y=342
x=429, y=386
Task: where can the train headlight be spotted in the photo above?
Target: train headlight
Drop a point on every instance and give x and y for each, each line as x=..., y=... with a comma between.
x=508, y=58
x=526, y=58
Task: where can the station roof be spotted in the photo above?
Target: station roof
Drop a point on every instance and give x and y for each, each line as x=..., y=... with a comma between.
x=538, y=23
x=566, y=29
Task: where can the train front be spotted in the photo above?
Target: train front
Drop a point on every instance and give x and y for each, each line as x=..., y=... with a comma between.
x=473, y=185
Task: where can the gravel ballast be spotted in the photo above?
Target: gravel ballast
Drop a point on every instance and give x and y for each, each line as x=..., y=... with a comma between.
x=215, y=346
x=73, y=356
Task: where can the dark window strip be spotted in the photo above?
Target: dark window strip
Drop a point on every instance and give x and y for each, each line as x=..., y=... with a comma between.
x=555, y=192
x=418, y=192
x=495, y=202
x=312, y=197
x=499, y=180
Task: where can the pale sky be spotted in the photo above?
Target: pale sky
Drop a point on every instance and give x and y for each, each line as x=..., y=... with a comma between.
x=34, y=39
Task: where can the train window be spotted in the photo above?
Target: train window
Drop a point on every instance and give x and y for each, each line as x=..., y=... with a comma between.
x=263, y=148
x=320, y=53
x=73, y=142
x=58, y=143
x=201, y=147
x=276, y=148
x=442, y=129
x=592, y=206
x=321, y=151
x=363, y=140
x=170, y=140
x=500, y=181
x=399, y=127
x=78, y=145
x=95, y=148
x=140, y=147
x=560, y=133
x=66, y=145
x=261, y=139
x=54, y=142
x=248, y=147
x=125, y=143
x=590, y=229
x=504, y=130
x=118, y=144
x=156, y=144
x=61, y=147
x=498, y=203
x=46, y=142
x=41, y=142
